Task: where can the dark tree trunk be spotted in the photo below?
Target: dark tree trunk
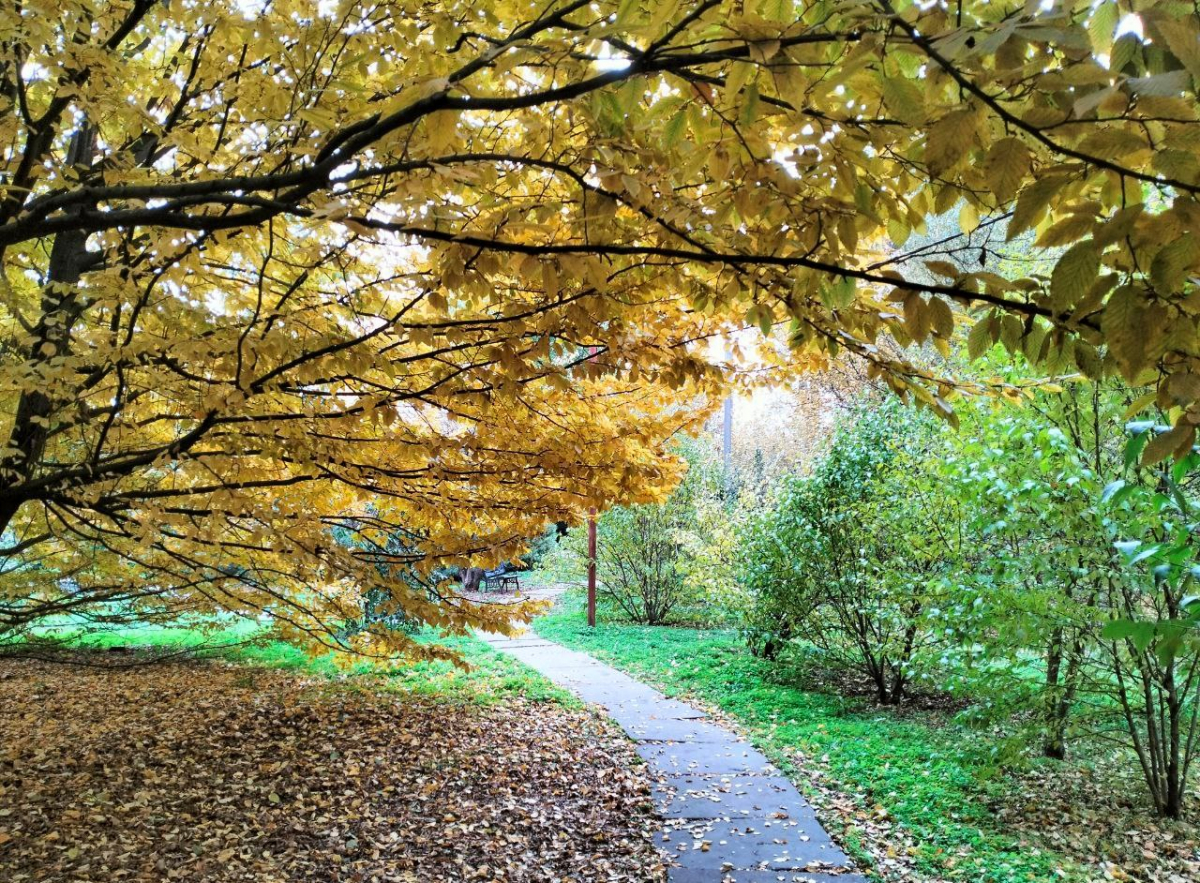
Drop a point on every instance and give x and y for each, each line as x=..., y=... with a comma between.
x=61, y=308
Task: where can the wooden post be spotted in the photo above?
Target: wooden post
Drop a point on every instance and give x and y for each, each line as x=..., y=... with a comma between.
x=591, y=598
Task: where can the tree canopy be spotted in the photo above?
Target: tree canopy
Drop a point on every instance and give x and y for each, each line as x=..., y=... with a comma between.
x=302, y=298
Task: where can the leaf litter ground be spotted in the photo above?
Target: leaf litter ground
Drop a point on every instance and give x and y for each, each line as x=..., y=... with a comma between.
x=215, y=772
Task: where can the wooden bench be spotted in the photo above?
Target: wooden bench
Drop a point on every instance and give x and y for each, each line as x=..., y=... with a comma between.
x=501, y=582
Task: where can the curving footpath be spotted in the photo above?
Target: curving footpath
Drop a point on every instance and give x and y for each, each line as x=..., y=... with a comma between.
x=728, y=815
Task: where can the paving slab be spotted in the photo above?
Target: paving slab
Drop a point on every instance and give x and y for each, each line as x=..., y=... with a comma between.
x=681, y=758
x=727, y=815
x=732, y=796
x=674, y=729
x=630, y=710
x=710, y=875
x=751, y=844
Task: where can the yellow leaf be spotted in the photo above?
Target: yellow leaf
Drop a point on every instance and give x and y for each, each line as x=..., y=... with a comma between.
x=1032, y=203
x=1173, y=263
x=968, y=218
x=1182, y=37
x=904, y=99
x=1122, y=325
x=949, y=140
x=1006, y=167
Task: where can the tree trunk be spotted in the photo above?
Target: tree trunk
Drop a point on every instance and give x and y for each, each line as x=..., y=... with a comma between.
x=61, y=308
x=1054, y=744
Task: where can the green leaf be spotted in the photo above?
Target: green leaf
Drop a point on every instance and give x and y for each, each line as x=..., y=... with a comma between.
x=981, y=338
x=1112, y=490
x=843, y=292
x=1137, y=441
x=1074, y=275
x=1123, y=52
x=750, y=101
x=1139, y=633
x=1102, y=25
x=1117, y=629
x=1122, y=326
x=675, y=128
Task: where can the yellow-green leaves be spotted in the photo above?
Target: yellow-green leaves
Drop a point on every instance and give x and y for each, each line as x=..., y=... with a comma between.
x=941, y=318
x=923, y=318
x=1033, y=202
x=1074, y=275
x=968, y=218
x=382, y=255
x=904, y=99
x=949, y=140
x=1173, y=263
x=1130, y=328
x=1006, y=167
x=982, y=336
x=1102, y=25
x=1182, y=37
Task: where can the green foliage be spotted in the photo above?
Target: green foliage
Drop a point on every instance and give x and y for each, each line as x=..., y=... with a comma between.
x=540, y=548
x=1152, y=642
x=850, y=557
x=1030, y=482
x=1028, y=563
x=1082, y=564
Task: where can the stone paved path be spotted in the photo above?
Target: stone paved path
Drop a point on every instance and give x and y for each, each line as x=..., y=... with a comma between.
x=728, y=815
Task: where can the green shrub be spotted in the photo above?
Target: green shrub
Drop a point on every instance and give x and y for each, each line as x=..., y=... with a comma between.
x=845, y=558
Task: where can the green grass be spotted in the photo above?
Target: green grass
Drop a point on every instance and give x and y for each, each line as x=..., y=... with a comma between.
x=926, y=773
x=491, y=676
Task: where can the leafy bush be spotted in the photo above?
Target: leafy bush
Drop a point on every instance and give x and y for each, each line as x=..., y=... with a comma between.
x=541, y=548
x=845, y=558
x=1151, y=645
x=1030, y=482
x=1027, y=562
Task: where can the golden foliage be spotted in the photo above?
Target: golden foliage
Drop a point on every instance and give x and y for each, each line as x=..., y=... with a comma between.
x=309, y=297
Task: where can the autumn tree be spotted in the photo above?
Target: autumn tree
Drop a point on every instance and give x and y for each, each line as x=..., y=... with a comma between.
x=304, y=298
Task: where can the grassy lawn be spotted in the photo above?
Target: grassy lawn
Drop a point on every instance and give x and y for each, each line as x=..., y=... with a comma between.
x=921, y=774
x=491, y=676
